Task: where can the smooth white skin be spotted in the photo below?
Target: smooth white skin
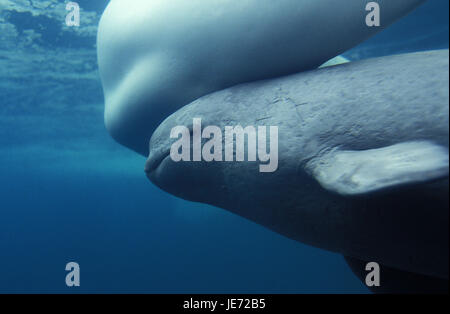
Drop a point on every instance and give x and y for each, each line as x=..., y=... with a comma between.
x=157, y=56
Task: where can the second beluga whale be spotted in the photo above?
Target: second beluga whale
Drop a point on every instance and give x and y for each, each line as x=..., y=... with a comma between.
x=157, y=56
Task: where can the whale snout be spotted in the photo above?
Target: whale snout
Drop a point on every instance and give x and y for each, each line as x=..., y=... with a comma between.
x=191, y=180
x=155, y=159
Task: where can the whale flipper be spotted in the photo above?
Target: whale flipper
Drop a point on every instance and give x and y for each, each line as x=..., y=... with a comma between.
x=335, y=61
x=365, y=171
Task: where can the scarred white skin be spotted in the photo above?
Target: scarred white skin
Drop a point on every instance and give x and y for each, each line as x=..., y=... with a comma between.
x=156, y=56
x=363, y=159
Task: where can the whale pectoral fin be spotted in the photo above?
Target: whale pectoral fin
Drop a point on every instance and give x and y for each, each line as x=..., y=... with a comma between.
x=361, y=172
x=335, y=61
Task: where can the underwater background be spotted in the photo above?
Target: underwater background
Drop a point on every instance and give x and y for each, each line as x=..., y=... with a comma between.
x=68, y=192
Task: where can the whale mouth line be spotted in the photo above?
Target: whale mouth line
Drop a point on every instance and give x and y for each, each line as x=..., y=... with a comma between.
x=155, y=160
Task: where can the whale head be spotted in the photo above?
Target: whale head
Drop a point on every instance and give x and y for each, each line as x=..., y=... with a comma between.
x=207, y=172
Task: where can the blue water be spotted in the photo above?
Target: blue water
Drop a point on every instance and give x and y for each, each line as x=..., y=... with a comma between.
x=70, y=193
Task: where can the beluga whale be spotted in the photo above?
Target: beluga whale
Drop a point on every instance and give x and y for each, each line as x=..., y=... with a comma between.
x=360, y=163
x=156, y=56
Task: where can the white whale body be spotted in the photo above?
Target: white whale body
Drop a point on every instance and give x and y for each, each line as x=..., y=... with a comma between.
x=362, y=166
x=157, y=56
